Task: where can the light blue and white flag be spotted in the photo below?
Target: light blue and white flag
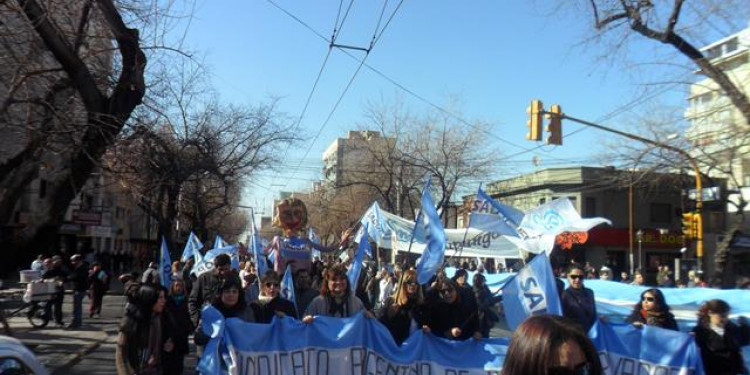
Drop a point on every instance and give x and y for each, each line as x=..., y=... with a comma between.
x=313, y=237
x=486, y=204
x=232, y=250
x=557, y=217
x=531, y=292
x=376, y=224
x=219, y=242
x=287, y=287
x=165, y=265
x=257, y=248
x=192, y=248
x=430, y=228
x=356, y=267
x=649, y=350
x=331, y=346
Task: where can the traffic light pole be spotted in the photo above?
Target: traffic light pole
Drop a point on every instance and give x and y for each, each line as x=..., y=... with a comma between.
x=693, y=164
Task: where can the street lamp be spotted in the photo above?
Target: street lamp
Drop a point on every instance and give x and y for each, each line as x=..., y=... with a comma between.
x=639, y=236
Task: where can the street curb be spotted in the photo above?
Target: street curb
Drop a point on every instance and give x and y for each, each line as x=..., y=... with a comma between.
x=74, y=358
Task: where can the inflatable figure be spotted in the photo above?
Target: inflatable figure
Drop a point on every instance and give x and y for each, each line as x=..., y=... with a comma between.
x=294, y=248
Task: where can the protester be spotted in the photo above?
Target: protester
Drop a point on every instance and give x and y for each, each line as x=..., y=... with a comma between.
x=98, y=286
x=176, y=271
x=206, y=287
x=372, y=287
x=248, y=274
x=451, y=313
x=460, y=279
x=485, y=304
x=336, y=298
x=605, y=273
x=38, y=263
x=187, y=276
x=151, y=275
x=403, y=312
x=139, y=344
x=177, y=328
x=720, y=340
x=551, y=345
x=231, y=302
x=387, y=286
x=663, y=277
x=624, y=278
x=80, y=279
x=57, y=273
x=270, y=303
x=695, y=280
x=577, y=300
x=303, y=291
x=652, y=310
x=637, y=278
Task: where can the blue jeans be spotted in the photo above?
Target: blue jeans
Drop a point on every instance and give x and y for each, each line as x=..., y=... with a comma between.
x=78, y=307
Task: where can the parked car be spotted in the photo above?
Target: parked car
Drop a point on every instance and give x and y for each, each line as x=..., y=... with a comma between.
x=17, y=359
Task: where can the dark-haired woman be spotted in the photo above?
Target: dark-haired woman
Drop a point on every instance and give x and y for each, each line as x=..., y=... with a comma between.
x=269, y=302
x=720, y=340
x=578, y=301
x=485, y=302
x=451, y=312
x=336, y=298
x=139, y=344
x=403, y=312
x=550, y=345
x=652, y=310
x=177, y=327
x=230, y=301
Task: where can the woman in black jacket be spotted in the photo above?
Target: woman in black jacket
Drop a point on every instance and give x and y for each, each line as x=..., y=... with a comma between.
x=452, y=312
x=403, y=312
x=485, y=302
x=270, y=302
x=139, y=344
x=652, y=310
x=177, y=326
x=720, y=340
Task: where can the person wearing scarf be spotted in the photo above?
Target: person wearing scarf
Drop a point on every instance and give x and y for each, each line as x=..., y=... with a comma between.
x=139, y=343
x=269, y=302
x=652, y=310
x=336, y=298
x=177, y=327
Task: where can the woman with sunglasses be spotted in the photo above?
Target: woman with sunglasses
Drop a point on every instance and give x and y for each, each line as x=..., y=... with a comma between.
x=452, y=314
x=336, y=298
x=551, y=345
x=652, y=310
x=720, y=340
x=578, y=301
x=270, y=302
x=403, y=312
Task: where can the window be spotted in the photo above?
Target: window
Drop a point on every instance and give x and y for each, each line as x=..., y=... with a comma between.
x=590, y=209
x=661, y=213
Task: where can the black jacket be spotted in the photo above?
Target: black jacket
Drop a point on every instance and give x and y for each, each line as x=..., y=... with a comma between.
x=204, y=291
x=443, y=316
x=579, y=305
x=80, y=278
x=722, y=354
x=265, y=311
x=398, y=320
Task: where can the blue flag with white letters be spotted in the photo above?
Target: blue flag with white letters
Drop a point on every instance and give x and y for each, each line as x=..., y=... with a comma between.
x=531, y=292
x=429, y=227
x=356, y=267
x=192, y=248
x=165, y=265
x=287, y=287
x=510, y=215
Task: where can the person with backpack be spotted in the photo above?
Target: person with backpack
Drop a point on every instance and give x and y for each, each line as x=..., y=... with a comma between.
x=98, y=286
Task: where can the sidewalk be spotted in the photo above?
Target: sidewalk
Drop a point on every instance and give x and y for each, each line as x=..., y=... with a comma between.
x=56, y=348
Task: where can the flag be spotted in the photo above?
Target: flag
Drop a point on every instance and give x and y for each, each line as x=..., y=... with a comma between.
x=556, y=217
x=510, y=215
x=356, y=268
x=287, y=287
x=430, y=227
x=219, y=242
x=257, y=248
x=313, y=237
x=165, y=265
x=192, y=247
x=232, y=250
x=533, y=291
x=378, y=227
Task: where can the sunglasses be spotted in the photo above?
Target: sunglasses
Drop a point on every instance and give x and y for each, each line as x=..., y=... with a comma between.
x=269, y=285
x=582, y=369
x=649, y=299
x=575, y=277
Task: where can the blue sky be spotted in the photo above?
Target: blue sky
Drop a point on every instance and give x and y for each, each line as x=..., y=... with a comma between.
x=494, y=56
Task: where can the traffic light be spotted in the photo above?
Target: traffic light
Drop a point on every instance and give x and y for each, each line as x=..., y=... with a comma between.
x=690, y=225
x=555, y=125
x=535, y=111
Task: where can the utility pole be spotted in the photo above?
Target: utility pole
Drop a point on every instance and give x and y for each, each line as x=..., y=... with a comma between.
x=693, y=163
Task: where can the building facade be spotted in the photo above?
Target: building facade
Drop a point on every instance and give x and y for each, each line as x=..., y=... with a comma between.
x=643, y=234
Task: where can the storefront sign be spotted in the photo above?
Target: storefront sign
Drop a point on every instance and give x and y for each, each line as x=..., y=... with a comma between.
x=602, y=236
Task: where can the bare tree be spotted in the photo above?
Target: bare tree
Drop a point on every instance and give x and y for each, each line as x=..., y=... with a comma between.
x=661, y=22
x=73, y=72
